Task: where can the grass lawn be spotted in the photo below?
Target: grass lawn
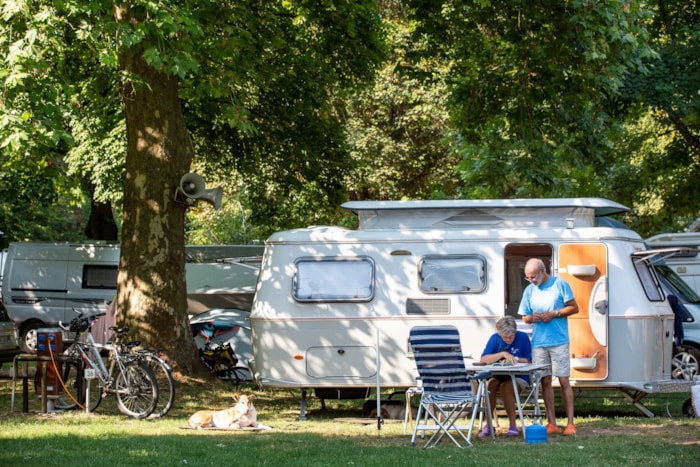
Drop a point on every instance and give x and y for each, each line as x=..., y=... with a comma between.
x=611, y=432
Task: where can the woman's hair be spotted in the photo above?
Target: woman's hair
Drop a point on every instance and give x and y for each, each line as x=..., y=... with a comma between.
x=506, y=326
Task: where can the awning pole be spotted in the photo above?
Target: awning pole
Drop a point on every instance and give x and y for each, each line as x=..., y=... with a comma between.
x=379, y=394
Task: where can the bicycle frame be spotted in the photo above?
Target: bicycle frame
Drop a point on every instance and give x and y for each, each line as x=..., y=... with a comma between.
x=97, y=363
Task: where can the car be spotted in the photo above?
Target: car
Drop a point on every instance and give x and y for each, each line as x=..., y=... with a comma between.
x=218, y=326
x=686, y=357
x=9, y=345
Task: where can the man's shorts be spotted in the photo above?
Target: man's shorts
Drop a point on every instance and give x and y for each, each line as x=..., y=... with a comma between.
x=558, y=357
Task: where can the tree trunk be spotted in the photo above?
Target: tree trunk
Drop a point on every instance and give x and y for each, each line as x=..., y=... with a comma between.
x=100, y=224
x=152, y=295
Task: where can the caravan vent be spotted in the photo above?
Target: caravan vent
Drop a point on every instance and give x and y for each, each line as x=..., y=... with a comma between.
x=428, y=306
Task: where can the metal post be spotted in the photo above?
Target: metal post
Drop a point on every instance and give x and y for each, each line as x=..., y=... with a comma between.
x=379, y=391
x=87, y=396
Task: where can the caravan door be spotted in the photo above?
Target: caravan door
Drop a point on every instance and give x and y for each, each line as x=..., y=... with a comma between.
x=585, y=267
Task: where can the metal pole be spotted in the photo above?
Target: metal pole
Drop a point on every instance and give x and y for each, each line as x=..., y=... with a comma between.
x=87, y=396
x=379, y=393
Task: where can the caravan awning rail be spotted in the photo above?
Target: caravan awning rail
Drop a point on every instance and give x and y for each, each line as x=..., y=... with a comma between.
x=601, y=206
x=658, y=254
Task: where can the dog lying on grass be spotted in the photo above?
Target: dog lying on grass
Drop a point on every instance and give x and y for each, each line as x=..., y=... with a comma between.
x=390, y=409
x=241, y=415
x=390, y=412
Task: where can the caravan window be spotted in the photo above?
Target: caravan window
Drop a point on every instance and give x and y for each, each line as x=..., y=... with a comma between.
x=99, y=277
x=649, y=282
x=334, y=279
x=452, y=273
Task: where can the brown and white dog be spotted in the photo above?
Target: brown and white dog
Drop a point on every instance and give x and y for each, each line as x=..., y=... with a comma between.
x=390, y=411
x=241, y=415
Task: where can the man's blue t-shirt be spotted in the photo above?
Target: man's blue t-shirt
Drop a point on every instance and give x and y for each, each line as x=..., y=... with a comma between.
x=550, y=296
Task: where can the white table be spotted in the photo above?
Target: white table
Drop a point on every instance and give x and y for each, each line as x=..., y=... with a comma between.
x=533, y=370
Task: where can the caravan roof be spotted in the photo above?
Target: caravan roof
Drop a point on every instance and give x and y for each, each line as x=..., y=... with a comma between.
x=602, y=207
x=455, y=214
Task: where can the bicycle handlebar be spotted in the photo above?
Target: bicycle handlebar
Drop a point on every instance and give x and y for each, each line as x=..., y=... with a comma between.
x=80, y=323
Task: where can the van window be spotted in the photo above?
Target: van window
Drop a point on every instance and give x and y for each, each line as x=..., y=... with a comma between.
x=452, y=274
x=649, y=283
x=99, y=277
x=334, y=279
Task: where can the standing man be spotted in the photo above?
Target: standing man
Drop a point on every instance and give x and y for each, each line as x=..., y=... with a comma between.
x=546, y=303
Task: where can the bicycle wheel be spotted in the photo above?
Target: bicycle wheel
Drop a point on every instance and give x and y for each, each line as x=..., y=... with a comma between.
x=136, y=390
x=166, y=384
x=71, y=395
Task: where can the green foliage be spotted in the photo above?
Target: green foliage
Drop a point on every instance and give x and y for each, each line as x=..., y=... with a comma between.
x=396, y=128
x=32, y=206
x=667, y=163
x=278, y=125
x=227, y=226
x=529, y=85
x=40, y=122
x=263, y=85
x=472, y=99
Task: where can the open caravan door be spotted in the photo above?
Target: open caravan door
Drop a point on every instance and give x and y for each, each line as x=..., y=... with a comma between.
x=584, y=267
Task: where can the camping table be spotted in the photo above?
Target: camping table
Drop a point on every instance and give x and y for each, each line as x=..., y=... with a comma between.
x=532, y=370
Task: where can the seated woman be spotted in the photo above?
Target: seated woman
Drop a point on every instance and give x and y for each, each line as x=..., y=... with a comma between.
x=506, y=346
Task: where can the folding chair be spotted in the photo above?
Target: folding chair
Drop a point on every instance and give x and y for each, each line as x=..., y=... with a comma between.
x=447, y=389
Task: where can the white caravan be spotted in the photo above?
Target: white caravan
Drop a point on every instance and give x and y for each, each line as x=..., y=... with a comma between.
x=333, y=307
x=43, y=282
x=686, y=264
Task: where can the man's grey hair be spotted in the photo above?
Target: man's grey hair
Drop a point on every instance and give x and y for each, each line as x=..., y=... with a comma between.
x=506, y=326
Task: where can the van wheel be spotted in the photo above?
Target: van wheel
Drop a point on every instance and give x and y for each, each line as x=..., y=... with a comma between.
x=685, y=363
x=29, y=335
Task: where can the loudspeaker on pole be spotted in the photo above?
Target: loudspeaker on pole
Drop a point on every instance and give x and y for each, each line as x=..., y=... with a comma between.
x=193, y=188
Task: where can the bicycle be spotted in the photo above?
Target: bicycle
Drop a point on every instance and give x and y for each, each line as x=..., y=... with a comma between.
x=154, y=360
x=221, y=361
x=219, y=357
x=130, y=380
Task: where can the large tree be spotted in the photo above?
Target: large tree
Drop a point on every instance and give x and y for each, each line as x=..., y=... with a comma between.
x=175, y=62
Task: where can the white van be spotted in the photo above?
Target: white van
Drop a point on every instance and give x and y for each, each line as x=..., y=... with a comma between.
x=685, y=264
x=44, y=282
x=3, y=255
x=686, y=356
x=334, y=307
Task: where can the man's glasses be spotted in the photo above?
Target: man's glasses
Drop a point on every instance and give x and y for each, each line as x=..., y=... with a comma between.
x=533, y=277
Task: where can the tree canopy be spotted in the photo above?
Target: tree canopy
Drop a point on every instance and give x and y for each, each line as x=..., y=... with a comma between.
x=294, y=106
x=249, y=85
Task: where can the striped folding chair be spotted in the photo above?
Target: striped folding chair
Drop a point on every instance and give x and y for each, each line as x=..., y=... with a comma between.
x=447, y=388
